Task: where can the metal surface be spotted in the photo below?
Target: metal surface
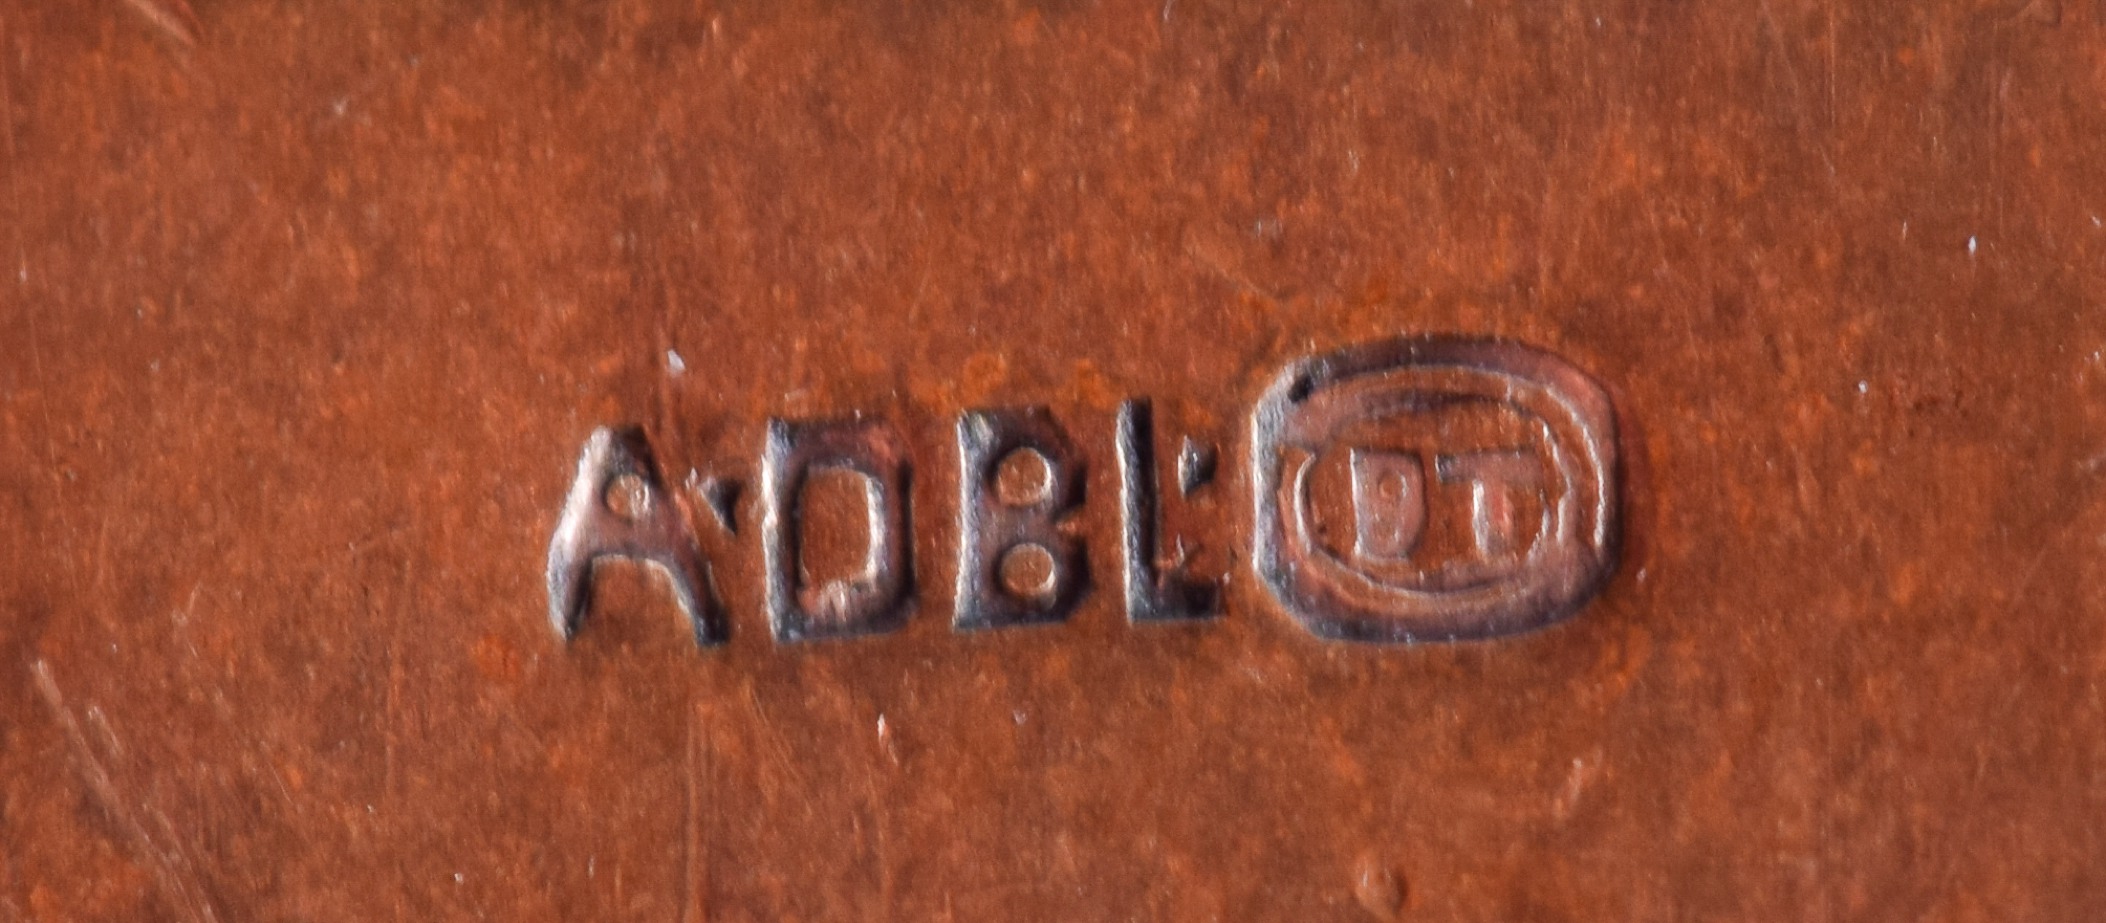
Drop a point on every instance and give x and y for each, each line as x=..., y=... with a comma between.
x=306, y=311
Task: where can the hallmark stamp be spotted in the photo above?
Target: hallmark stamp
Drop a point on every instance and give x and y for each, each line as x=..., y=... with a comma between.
x=874, y=600
x=1418, y=489
x=997, y=532
x=618, y=507
x=1156, y=590
x=1353, y=455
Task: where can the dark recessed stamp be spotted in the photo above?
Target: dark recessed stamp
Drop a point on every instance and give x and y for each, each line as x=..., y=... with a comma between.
x=618, y=507
x=1420, y=489
x=1433, y=489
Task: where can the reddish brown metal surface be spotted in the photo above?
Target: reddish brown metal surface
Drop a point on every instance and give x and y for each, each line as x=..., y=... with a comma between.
x=306, y=309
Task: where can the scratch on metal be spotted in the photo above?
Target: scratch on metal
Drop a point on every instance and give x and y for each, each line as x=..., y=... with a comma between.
x=171, y=869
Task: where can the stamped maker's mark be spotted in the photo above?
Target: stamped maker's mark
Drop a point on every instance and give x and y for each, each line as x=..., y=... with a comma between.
x=618, y=507
x=1419, y=489
x=1526, y=440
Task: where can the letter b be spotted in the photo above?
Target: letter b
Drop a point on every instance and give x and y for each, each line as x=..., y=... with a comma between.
x=993, y=527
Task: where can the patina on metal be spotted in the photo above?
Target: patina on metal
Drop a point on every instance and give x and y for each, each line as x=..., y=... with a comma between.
x=309, y=311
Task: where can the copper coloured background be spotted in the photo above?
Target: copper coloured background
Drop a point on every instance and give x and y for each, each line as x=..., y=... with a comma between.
x=307, y=308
